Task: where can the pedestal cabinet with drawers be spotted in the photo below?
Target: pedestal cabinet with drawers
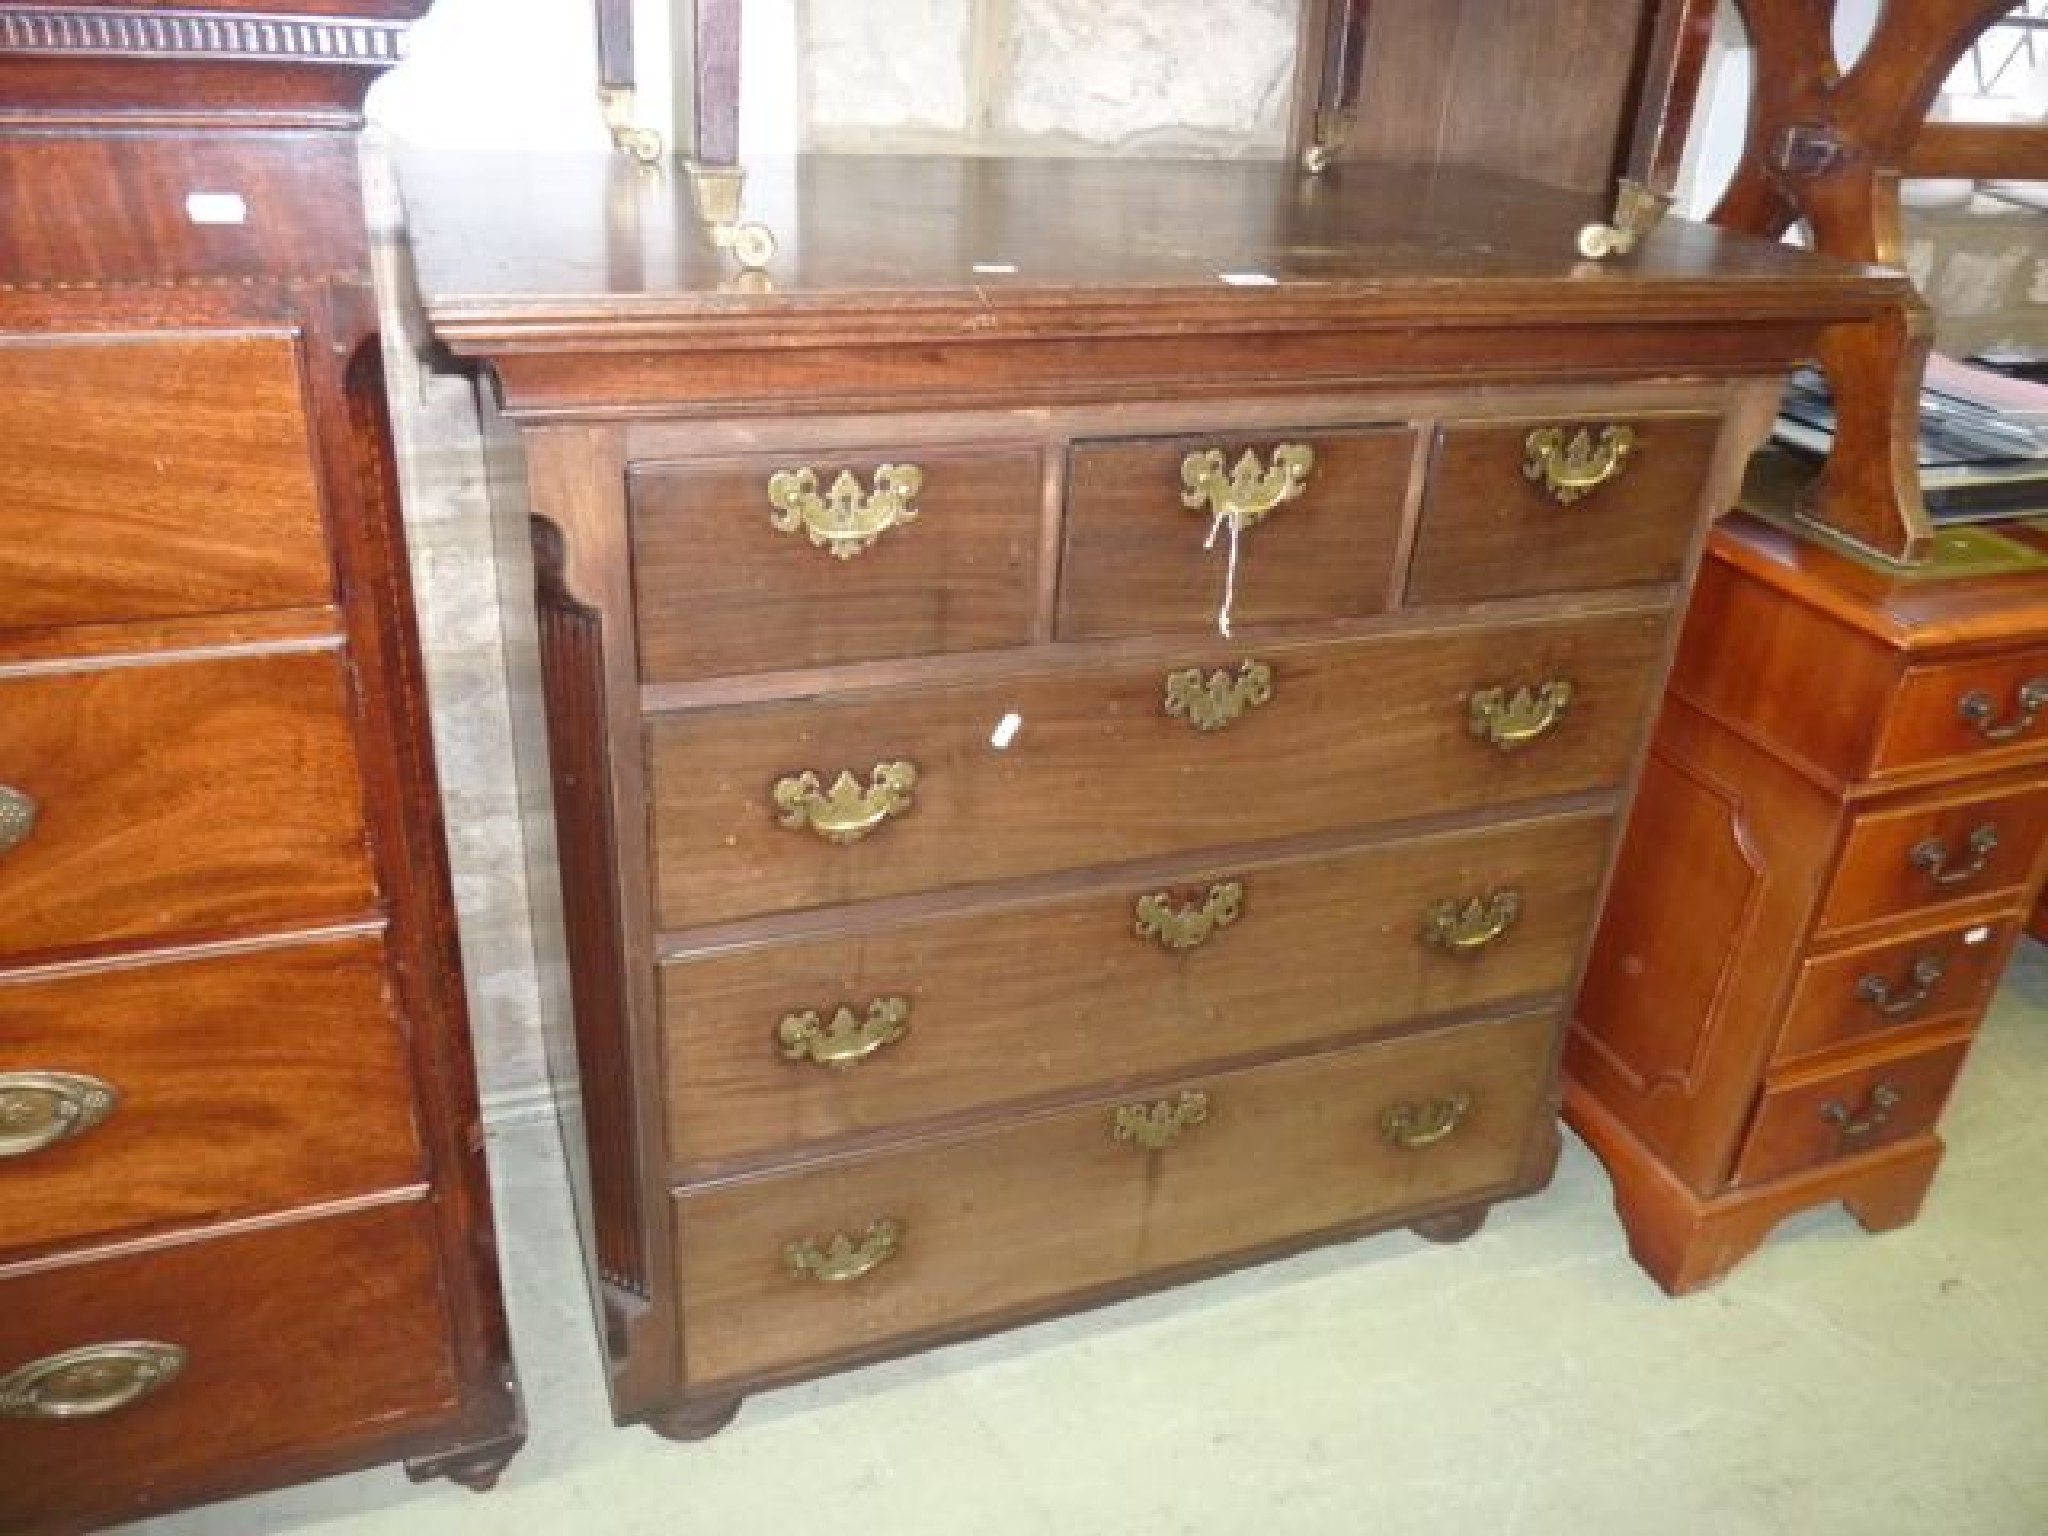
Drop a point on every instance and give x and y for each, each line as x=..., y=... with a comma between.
x=244, y=1231
x=1087, y=707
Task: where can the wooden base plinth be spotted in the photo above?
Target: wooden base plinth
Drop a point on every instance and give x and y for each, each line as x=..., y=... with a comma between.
x=476, y=1467
x=694, y=1421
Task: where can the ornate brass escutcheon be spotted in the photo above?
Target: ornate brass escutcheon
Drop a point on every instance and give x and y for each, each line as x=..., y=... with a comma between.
x=1466, y=927
x=1251, y=490
x=1177, y=927
x=88, y=1382
x=848, y=1038
x=18, y=810
x=1572, y=465
x=1422, y=1125
x=1513, y=720
x=1210, y=703
x=1976, y=709
x=1159, y=1125
x=1877, y=1109
x=848, y=811
x=1931, y=854
x=1921, y=980
x=40, y=1109
x=845, y=520
x=842, y=1258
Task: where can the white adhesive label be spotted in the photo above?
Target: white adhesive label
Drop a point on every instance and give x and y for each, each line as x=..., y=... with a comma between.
x=1006, y=731
x=1249, y=279
x=996, y=268
x=1977, y=935
x=216, y=208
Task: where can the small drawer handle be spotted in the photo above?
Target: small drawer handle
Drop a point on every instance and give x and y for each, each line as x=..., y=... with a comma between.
x=40, y=1109
x=848, y=811
x=89, y=1382
x=845, y=520
x=1175, y=927
x=1977, y=710
x=1158, y=1125
x=1245, y=496
x=1512, y=720
x=18, y=811
x=842, y=1258
x=1210, y=703
x=848, y=1039
x=1465, y=927
x=1921, y=980
x=1571, y=465
x=1425, y=1124
x=1884, y=1098
x=1932, y=856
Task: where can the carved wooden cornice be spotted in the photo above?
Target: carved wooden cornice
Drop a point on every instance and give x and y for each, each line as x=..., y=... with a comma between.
x=152, y=33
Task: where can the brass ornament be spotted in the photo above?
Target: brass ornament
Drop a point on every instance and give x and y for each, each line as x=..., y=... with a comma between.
x=1877, y=1109
x=40, y=1109
x=1512, y=720
x=842, y=1258
x=1570, y=466
x=1976, y=710
x=1159, y=1125
x=847, y=1039
x=849, y=810
x=1174, y=927
x=845, y=520
x=1210, y=703
x=1931, y=856
x=1464, y=928
x=89, y=1382
x=1896, y=1002
x=18, y=812
x=1411, y=1126
x=1245, y=496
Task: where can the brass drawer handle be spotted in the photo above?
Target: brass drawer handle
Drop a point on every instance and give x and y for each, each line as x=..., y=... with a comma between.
x=1425, y=1124
x=1976, y=709
x=1932, y=854
x=86, y=1383
x=1464, y=928
x=844, y=521
x=1210, y=703
x=1158, y=1125
x=1884, y=1098
x=1924, y=977
x=847, y=812
x=848, y=1039
x=843, y=1258
x=1176, y=927
x=18, y=810
x=40, y=1109
x=1244, y=497
x=1576, y=465
x=1511, y=721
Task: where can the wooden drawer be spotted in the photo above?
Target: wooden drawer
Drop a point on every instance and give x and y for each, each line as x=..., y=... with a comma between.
x=962, y=1011
x=180, y=798
x=1491, y=529
x=1846, y=998
x=1935, y=852
x=730, y=580
x=1140, y=560
x=1806, y=1122
x=151, y=477
x=242, y=1083
x=1096, y=770
x=1043, y=1210
x=1966, y=710
x=327, y=1333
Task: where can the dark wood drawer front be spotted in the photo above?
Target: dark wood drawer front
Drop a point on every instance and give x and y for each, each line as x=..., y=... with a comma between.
x=1097, y=770
x=326, y=1333
x=180, y=798
x=242, y=1083
x=1491, y=529
x=731, y=580
x=1966, y=711
x=1141, y=560
x=1935, y=853
x=1844, y=999
x=1804, y=1124
x=776, y=1048
x=1038, y=1210
x=155, y=477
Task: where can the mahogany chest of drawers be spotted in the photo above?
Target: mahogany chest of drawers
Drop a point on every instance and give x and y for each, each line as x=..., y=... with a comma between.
x=1086, y=711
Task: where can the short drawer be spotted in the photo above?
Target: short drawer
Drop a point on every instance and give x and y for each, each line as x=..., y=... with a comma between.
x=178, y=1091
x=234, y=1331
x=785, y=806
x=1148, y=538
x=753, y=564
x=835, y=1259
x=1847, y=998
x=1811, y=1121
x=1515, y=508
x=1935, y=852
x=160, y=800
x=786, y=1046
x=1963, y=711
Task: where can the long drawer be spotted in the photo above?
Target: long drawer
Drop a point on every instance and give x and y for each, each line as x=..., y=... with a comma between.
x=1965, y=844
x=835, y=1259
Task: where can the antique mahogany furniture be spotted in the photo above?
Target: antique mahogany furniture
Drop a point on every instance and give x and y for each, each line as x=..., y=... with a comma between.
x=244, y=1230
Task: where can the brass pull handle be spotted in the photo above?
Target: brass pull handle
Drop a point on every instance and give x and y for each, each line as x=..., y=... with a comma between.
x=40, y=1109
x=18, y=811
x=844, y=521
x=1932, y=855
x=1177, y=927
x=1884, y=1098
x=1512, y=720
x=1421, y=1125
x=1210, y=703
x=88, y=1382
x=1158, y=1125
x=1570, y=466
x=1924, y=977
x=1465, y=928
x=848, y=811
x=843, y=1258
x=848, y=1039
x=1251, y=490
x=1976, y=710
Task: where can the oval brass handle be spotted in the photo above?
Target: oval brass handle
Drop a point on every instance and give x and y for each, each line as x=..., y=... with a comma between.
x=845, y=520
x=1251, y=490
x=1932, y=854
x=18, y=811
x=841, y=1257
x=90, y=1381
x=1924, y=977
x=1572, y=465
x=1210, y=703
x=848, y=811
x=1513, y=720
x=1183, y=927
x=1424, y=1124
x=848, y=1038
x=1977, y=710
x=1472, y=925
x=1884, y=1098
x=1160, y=1124
x=40, y=1109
